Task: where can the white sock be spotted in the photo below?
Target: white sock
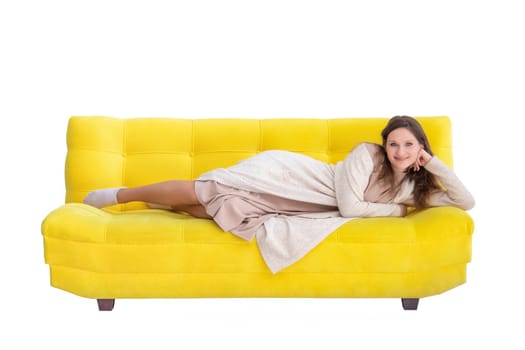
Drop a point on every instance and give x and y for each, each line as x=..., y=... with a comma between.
x=102, y=198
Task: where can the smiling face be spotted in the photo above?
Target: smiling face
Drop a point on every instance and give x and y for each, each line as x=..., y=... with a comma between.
x=402, y=149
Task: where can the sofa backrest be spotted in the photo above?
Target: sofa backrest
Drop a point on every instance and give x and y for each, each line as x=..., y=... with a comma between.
x=111, y=152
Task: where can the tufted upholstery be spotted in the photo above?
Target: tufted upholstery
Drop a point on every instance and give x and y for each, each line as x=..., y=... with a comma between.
x=130, y=152
x=127, y=251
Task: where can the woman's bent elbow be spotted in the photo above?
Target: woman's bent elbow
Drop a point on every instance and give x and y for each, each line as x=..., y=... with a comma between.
x=465, y=203
x=346, y=213
x=468, y=204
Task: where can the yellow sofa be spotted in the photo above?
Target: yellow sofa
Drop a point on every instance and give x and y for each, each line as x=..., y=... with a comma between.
x=129, y=251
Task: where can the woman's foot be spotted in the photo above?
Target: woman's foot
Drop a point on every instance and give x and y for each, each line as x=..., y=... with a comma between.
x=102, y=198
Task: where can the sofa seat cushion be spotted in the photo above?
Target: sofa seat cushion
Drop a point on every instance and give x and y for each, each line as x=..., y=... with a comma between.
x=144, y=241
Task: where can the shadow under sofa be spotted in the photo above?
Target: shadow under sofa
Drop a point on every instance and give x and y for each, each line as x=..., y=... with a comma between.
x=129, y=251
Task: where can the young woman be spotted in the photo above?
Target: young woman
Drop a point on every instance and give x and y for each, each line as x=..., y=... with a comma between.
x=373, y=180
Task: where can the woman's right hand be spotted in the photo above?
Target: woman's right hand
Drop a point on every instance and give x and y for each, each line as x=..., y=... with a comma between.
x=423, y=157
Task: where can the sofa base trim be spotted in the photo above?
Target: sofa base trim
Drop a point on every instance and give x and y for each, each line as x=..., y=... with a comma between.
x=97, y=285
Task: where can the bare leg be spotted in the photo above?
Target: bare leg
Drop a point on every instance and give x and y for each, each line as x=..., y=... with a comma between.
x=173, y=193
x=197, y=211
x=178, y=195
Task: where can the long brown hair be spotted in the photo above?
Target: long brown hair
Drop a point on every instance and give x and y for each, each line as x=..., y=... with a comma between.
x=424, y=182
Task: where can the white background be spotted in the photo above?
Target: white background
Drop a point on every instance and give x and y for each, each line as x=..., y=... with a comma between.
x=259, y=59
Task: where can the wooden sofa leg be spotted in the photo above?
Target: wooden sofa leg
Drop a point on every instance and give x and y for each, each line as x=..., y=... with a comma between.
x=410, y=303
x=105, y=304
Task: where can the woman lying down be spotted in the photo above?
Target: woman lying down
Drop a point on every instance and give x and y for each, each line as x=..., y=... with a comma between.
x=290, y=202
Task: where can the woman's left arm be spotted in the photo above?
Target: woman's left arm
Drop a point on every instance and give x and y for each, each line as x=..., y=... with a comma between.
x=455, y=193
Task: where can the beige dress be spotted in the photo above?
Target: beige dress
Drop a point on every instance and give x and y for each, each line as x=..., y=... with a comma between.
x=242, y=212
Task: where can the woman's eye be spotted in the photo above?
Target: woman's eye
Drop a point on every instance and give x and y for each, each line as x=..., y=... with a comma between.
x=393, y=144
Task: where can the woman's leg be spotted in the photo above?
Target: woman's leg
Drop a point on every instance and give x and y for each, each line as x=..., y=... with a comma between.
x=197, y=211
x=173, y=193
x=178, y=195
